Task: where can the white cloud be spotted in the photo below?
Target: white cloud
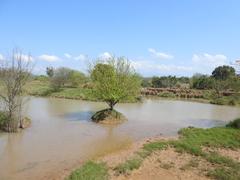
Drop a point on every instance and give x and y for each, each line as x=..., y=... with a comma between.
x=105, y=55
x=68, y=55
x=160, y=55
x=49, y=58
x=162, y=68
x=209, y=60
x=81, y=57
x=1, y=57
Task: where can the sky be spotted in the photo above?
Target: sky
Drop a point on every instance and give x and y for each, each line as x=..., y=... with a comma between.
x=159, y=37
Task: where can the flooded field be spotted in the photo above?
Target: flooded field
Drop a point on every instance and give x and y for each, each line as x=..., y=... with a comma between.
x=62, y=136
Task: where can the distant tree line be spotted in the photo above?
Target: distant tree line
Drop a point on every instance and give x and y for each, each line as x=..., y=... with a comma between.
x=65, y=77
x=222, y=78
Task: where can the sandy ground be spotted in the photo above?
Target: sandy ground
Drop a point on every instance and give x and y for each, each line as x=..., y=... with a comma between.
x=166, y=164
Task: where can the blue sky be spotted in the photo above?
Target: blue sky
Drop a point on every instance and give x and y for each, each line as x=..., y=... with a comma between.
x=160, y=37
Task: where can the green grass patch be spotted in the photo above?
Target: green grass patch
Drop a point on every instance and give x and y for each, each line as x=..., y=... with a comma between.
x=75, y=93
x=226, y=100
x=90, y=171
x=153, y=146
x=128, y=166
x=192, y=141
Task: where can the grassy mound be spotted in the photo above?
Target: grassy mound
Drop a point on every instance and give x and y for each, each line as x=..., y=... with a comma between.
x=108, y=116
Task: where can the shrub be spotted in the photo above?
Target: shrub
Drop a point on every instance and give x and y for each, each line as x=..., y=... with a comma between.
x=3, y=119
x=234, y=124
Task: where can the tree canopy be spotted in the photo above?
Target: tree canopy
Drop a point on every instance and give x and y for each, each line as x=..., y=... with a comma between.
x=223, y=72
x=115, y=80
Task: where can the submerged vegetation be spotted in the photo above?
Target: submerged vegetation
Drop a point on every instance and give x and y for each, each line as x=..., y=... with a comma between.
x=201, y=143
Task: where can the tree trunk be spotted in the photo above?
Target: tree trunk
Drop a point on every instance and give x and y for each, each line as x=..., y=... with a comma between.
x=112, y=104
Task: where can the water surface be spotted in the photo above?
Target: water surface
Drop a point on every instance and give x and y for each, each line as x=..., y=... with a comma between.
x=62, y=136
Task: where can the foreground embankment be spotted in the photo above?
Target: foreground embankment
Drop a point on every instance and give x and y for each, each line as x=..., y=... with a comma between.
x=196, y=154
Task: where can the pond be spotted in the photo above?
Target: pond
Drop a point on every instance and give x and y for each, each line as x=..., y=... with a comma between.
x=62, y=136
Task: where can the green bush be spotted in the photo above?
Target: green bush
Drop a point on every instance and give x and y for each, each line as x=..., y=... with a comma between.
x=3, y=119
x=234, y=124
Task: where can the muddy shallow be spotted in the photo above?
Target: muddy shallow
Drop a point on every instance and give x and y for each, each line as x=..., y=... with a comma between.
x=62, y=136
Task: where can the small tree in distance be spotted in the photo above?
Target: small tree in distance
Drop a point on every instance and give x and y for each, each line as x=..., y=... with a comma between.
x=115, y=80
x=50, y=71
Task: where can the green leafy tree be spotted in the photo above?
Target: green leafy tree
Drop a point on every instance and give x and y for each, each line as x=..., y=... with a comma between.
x=223, y=72
x=200, y=81
x=115, y=81
x=63, y=77
x=76, y=78
x=164, y=81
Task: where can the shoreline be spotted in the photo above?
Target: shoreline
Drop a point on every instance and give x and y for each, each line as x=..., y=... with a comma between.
x=193, y=154
x=197, y=100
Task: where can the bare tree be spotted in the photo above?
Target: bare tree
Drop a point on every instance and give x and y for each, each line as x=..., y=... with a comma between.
x=14, y=73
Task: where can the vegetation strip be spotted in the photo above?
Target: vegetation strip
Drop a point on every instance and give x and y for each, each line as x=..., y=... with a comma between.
x=192, y=141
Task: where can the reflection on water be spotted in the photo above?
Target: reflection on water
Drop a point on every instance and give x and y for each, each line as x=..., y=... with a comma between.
x=62, y=135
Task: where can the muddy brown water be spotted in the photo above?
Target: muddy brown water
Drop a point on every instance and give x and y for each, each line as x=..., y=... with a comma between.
x=62, y=136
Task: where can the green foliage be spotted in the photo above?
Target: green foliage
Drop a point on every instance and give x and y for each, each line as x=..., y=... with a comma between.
x=225, y=100
x=202, y=82
x=115, y=81
x=164, y=82
x=65, y=77
x=3, y=119
x=41, y=78
x=75, y=93
x=90, y=171
x=224, y=173
x=223, y=72
x=213, y=137
x=128, y=166
x=168, y=81
x=153, y=146
x=146, y=82
x=76, y=78
x=234, y=124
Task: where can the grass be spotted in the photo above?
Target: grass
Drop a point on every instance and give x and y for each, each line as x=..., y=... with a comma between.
x=224, y=174
x=43, y=88
x=192, y=141
x=129, y=165
x=226, y=100
x=90, y=171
